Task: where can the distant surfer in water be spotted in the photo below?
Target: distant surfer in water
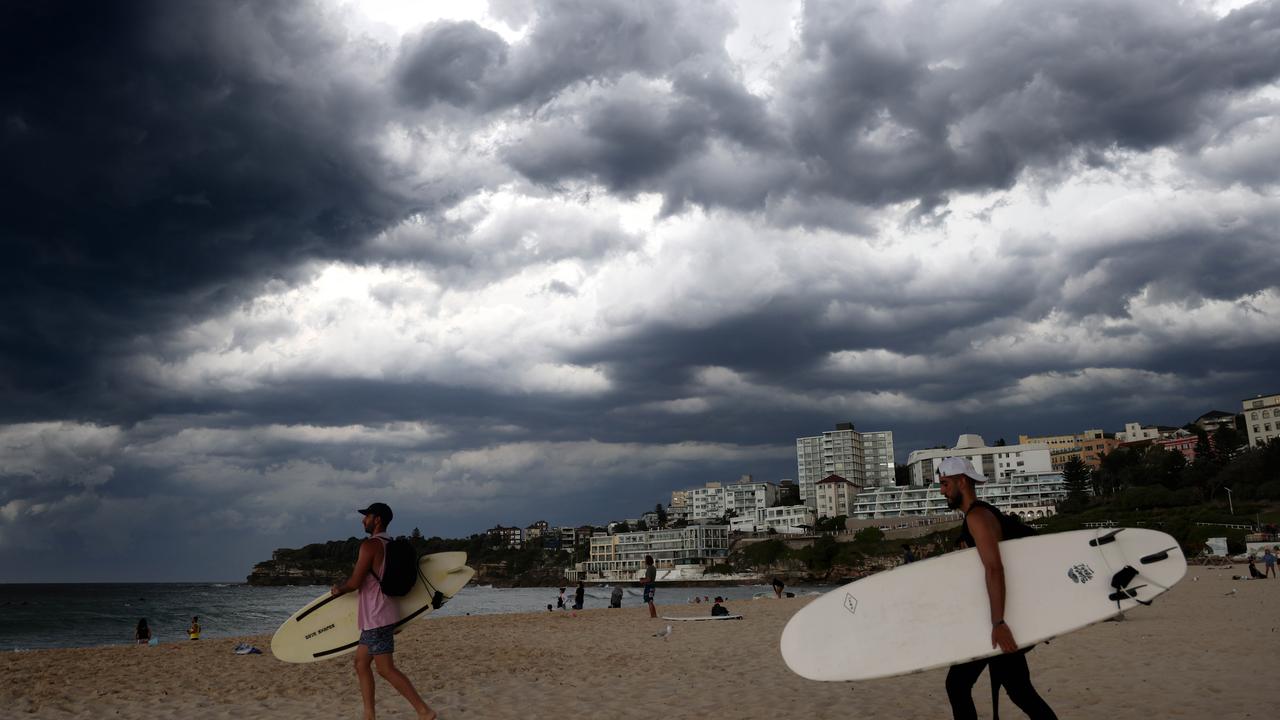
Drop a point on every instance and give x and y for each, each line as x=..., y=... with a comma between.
x=984, y=527
x=377, y=615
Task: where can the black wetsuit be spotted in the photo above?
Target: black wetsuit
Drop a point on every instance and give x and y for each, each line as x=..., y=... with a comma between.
x=1007, y=669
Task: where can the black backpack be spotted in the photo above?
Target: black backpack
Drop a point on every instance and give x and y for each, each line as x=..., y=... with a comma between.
x=400, y=569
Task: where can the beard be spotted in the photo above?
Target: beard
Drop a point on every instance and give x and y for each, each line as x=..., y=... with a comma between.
x=954, y=501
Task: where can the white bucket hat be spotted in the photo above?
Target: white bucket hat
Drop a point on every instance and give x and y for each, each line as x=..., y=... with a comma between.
x=960, y=466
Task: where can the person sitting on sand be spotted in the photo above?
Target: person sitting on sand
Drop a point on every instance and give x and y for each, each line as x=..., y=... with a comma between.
x=778, y=587
x=193, y=632
x=142, y=634
x=1254, y=572
x=718, y=610
x=615, y=598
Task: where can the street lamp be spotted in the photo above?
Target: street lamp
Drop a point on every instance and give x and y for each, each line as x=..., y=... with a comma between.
x=1230, y=504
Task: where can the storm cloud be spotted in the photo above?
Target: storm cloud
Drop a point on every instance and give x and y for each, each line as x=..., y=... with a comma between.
x=552, y=260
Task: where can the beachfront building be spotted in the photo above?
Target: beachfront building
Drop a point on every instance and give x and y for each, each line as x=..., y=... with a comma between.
x=788, y=492
x=1135, y=432
x=536, y=530
x=1262, y=418
x=996, y=463
x=746, y=497
x=835, y=496
x=784, y=520
x=511, y=537
x=1087, y=447
x=1030, y=494
x=1214, y=419
x=706, y=501
x=621, y=556
x=834, y=452
x=877, y=458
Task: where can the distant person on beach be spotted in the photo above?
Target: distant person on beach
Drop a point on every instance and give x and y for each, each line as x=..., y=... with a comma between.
x=579, y=595
x=615, y=598
x=193, y=631
x=560, y=600
x=142, y=633
x=984, y=527
x=1269, y=562
x=650, y=584
x=377, y=615
x=908, y=557
x=717, y=610
x=1254, y=572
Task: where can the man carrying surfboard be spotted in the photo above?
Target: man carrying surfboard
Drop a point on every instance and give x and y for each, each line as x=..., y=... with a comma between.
x=984, y=527
x=377, y=615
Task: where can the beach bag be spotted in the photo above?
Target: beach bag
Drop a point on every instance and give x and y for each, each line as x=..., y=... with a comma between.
x=400, y=570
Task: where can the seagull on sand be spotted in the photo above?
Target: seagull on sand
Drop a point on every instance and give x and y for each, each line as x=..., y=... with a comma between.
x=664, y=634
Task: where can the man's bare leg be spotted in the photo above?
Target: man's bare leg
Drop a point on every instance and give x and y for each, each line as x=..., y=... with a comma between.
x=389, y=672
x=365, y=674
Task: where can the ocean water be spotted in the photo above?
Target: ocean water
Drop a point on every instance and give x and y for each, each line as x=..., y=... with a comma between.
x=70, y=615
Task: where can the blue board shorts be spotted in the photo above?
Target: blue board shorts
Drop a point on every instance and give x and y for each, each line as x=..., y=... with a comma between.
x=648, y=592
x=380, y=641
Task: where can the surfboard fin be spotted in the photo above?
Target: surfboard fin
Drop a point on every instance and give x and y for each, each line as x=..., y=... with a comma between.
x=1155, y=557
x=1104, y=539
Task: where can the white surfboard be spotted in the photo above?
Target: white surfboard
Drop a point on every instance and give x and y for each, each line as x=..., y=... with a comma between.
x=935, y=612
x=704, y=617
x=326, y=627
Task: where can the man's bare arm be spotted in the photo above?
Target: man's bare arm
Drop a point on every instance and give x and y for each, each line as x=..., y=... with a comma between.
x=986, y=537
x=364, y=563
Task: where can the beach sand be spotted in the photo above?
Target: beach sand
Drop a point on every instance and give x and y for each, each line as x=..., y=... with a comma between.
x=1197, y=653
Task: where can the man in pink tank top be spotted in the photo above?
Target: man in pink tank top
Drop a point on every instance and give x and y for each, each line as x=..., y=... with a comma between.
x=377, y=615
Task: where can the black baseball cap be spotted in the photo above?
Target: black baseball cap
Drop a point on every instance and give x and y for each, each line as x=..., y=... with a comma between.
x=381, y=510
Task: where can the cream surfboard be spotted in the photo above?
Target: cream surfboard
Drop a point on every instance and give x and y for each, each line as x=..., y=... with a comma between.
x=936, y=612
x=326, y=627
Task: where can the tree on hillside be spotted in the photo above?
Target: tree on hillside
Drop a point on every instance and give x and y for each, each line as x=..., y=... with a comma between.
x=662, y=514
x=1076, y=477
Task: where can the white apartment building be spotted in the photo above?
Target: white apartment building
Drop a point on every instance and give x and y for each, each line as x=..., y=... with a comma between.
x=786, y=520
x=706, y=501
x=878, y=459
x=835, y=496
x=746, y=497
x=623, y=554
x=1031, y=495
x=714, y=499
x=1137, y=431
x=834, y=452
x=1262, y=418
x=996, y=463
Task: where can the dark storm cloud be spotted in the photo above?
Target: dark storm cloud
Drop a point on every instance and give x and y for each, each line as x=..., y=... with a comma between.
x=882, y=108
x=570, y=41
x=164, y=159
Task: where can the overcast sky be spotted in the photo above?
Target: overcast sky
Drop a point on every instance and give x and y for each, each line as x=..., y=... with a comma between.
x=268, y=262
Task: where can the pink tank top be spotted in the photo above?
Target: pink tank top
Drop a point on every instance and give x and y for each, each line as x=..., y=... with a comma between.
x=375, y=609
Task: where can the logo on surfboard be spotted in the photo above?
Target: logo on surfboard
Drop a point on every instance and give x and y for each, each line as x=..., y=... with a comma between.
x=850, y=602
x=1080, y=573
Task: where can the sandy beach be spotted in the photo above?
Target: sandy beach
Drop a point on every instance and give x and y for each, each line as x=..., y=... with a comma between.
x=1199, y=652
